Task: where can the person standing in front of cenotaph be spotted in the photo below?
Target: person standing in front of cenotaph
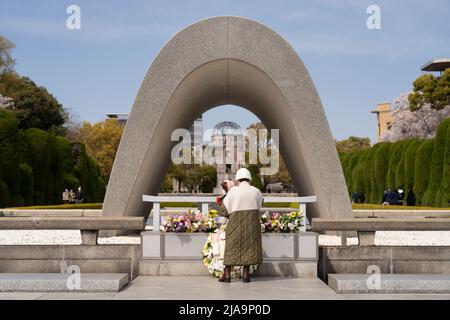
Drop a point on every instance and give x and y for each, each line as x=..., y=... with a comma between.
x=243, y=244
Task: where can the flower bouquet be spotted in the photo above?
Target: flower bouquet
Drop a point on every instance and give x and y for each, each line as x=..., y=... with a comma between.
x=281, y=222
x=192, y=221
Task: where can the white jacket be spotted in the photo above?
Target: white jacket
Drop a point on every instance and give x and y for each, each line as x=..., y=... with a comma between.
x=243, y=197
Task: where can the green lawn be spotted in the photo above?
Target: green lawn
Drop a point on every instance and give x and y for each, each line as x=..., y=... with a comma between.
x=368, y=206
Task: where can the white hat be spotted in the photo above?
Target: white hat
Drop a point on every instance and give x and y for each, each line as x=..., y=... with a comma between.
x=243, y=173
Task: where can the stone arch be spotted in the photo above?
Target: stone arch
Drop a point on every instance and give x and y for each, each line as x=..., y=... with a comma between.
x=218, y=61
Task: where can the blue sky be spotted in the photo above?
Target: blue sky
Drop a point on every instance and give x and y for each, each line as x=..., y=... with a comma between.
x=99, y=68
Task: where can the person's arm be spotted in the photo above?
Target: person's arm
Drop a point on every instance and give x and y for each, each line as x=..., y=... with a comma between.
x=223, y=211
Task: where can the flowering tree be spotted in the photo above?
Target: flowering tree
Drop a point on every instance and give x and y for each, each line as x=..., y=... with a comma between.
x=421, y=123
x=5, y=102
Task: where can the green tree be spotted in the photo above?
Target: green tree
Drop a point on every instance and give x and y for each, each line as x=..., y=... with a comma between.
x=256, y=178
x=102, y=141
x=10, y=147
x=208, y=178
x=353, y=144
x=34, y=106
x=430, y=89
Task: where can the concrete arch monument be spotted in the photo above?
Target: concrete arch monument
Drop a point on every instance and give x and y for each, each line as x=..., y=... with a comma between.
x=218, y=61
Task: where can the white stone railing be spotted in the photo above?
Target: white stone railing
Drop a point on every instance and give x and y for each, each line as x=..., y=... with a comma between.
x=205, y=201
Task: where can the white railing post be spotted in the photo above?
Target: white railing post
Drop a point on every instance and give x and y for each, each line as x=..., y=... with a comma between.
x=156, y=216
x=301, y=207
x=205, y=208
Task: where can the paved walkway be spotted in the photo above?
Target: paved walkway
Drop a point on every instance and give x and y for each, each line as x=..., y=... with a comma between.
x=179, y=288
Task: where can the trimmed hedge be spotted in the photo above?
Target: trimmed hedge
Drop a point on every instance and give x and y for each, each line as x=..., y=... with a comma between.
x=409, y=164
x=381, y=166
x=443, y=198
x=36, y=167
x=421, y=165
x=432, y=195
x=422, y=169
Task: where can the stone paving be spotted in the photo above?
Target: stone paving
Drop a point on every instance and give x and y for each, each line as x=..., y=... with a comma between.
x=180, y=288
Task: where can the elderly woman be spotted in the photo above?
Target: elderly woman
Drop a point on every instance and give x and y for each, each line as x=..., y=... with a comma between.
x=243, y=232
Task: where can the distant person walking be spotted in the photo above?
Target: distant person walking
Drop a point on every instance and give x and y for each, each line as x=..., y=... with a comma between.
x=400, y=197
x=392, y=197
x=65, y=196
x=362, y=198
x=355, y=197
x=79, y=198
x=71, y=196
x=384, y=200
x=411, y=198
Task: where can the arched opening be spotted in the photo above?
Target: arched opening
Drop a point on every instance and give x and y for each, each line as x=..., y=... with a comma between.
x=217, y=144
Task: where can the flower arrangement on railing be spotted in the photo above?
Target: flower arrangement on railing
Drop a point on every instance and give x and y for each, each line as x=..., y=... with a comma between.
x=277, y=222
x=192, y=221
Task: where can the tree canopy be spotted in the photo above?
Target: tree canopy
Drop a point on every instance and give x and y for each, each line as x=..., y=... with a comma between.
x=34, y=106
x=428, y=89
x=353, y=144
x=102, y=141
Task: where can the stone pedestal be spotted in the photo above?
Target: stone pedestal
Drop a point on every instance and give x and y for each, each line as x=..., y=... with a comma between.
x=284, y=254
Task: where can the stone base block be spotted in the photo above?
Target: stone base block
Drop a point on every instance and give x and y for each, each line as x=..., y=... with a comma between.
x=172, y=268
x=389, y=283
x=296, y=269
x=59, y=282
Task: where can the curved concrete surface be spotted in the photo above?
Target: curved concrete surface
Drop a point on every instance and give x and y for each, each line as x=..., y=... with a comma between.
x=217, y=61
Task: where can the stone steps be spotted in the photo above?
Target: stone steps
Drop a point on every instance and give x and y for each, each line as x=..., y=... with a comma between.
x=60, y=282
x=389, y=283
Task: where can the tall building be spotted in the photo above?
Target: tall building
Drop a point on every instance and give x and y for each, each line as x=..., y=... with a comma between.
x=225, y=133
x=384, y=118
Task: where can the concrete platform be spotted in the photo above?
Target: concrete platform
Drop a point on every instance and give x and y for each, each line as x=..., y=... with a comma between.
x=390, y=283
x=60, y=282
x=207, y=288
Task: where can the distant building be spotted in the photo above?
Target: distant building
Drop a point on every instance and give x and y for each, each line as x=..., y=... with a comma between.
x=120, y=117
x=436, y=65
x=230, y=162
x=383, y=110
x=384, y=118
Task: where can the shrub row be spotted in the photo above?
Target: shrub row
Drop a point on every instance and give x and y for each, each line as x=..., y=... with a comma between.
x=36, y=166
x=421, y=165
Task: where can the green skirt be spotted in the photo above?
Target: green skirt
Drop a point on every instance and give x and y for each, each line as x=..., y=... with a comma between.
x=243, y=243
